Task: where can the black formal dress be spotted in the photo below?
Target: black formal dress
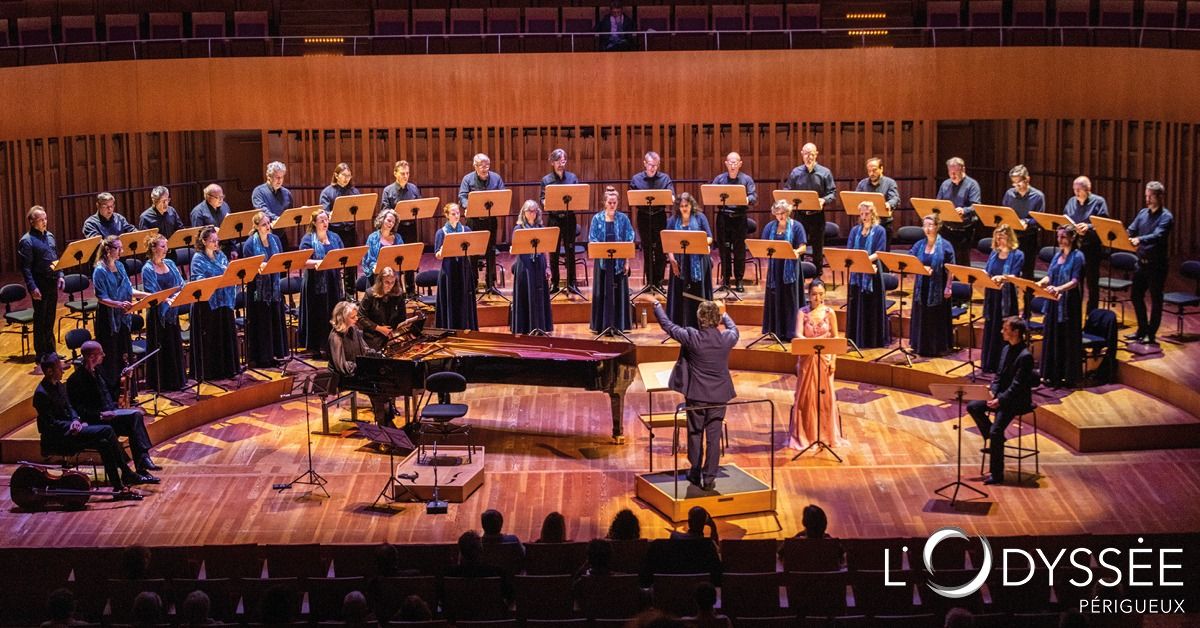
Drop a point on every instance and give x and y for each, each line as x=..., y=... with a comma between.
x=785, y=282
x=531, y=294
x=610, y=289
x=695, y=275
x=320, y=291
x=456, y=286
x=931, y=324
x=165, y=371
x=866, y=304
x=113, y=325
x=266, y=342
x=1062, y=348
x=213, y=329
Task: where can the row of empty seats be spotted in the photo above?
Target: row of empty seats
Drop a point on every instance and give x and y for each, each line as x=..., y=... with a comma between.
x=1066, y=13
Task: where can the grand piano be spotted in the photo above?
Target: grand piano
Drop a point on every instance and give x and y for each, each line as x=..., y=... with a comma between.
x=493, y=358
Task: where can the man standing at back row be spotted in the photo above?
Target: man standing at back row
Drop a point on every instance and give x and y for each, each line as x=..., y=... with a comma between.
x=701, y=375
x=963, y=192
x=731, y=223
x=38, y=252
x=879, y=183
x=652, y=219
x=479, y=180
x=811, y=175
x=564, y=220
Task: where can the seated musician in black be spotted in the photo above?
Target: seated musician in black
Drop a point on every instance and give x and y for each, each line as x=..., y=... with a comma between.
x=61, y=428
x=345, y=345
x=89, y=395
x=381, y=311
x=1011, y=394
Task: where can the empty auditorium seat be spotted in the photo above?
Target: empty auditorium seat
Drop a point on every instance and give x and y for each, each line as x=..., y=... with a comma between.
x=122, y=27
x=78, y=29
x=541, y=19
x=428, y=21
x=166, y=25
x=391, y=22
x=654, y=18
x=504, y=20
x=804, y=16
x=578, y=19
x=33, y=31
x=207, y=24
x=943, y=13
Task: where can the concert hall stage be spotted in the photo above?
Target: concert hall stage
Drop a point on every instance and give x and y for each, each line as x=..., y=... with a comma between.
x=1118, y=458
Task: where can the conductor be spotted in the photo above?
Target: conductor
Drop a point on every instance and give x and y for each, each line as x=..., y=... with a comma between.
x=701, y=375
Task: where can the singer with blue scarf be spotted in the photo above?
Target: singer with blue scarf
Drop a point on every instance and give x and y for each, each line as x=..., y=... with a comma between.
x=165, y=370
x=931, y=324
x=866, y=304
x=212, y=324
x=610, y=294
x=456, y=283
x=785, y=277
x=531, y=286
x=1062, y=347
x=690, y=273
x=266, y=343
x=320, y=290
x=1006, y=259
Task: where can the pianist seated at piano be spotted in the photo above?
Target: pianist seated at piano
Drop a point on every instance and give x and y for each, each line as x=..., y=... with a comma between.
x=381, y=310
x=346, y=344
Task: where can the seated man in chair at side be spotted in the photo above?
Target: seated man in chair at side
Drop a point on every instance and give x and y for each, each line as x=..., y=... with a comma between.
x=61, y=428
x=89, y=395
x=1012, y=394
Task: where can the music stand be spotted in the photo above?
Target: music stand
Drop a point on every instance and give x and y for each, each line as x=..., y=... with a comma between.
x=466, y=244
x=960, y=393
x=494, y=203
x=320, y=384
x=353, y=207
x=77, y=252
x=820, y=347
x=1028, y=284
x=649, y=200
x=154, y=299
x=725, y=196
x=800, y=200
x=132, y=242
x=904, y=265
x=943, y=208
x=417, y=208
x=611, y=251
x=996, y=215
x=558, y=201
x=1113, y=235
x=686, y=242
x=527, y=242
x=184, y=238
x=243, y=271
x=772, y=250
x=295, y=217
x=236, y=225
x=341, y=259
x=976, y=278
x=391, y=440
x=853, y=261
x=198, y=293
x=284, y=263
x=1051, y=222
x=399, y=257
x=851, y=201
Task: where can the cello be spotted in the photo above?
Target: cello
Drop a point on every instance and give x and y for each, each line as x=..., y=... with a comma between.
x=33, y=487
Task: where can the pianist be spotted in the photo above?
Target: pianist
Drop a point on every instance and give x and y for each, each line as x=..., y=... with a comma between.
x=345, y=345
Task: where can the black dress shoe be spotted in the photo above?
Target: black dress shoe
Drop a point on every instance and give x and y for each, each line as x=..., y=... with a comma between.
x=709, y=484
x=693, y=478
x=1150, y=340
x=132, y=478
x=148, y=465
x=126, y=496
x=993, y=480
x=1135, y=336
x=740, y=287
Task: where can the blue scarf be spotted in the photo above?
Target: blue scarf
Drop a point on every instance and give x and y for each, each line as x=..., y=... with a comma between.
x=931, y=288
x=693, y=262
x=793, y=233
x=151, y=283
x=624, y=232
x=869, y=243
x=1012, y=266
x=1061, y=271
x=265, y=288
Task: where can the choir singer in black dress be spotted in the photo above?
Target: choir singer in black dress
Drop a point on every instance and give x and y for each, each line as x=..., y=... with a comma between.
x=165, y=371
x=265, y=340
x=531, y=287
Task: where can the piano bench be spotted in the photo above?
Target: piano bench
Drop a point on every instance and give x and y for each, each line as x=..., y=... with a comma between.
x=334, y=399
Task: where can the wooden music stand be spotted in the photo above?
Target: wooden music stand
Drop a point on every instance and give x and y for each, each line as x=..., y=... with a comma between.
x=494, y=203
x=184, y=238
x=996, y=215
x=656, y=377
x=76, y=252
x=340, y=259
x=800, y=200
x=686, y=242
x=533, y=242
x=133, y=242
x=354, y=207
x=1051, y=222
x=244, y=269
x=730, y=195
x=1028, y=284
x=959, y=393
x=851, y=261
x=466, y=243
x=820, y=347
x=943, y=208
x=154, y=299
x=976, y=278
x=559, y=199
x=284, y=263
x=417, y=208
x=904, y=265
x=650, y=198
x=1113, y=234
x=851, y=201
x=399, y=257
x=611, y=251
x=198, y=293
x=295, y=217
x=236, y=225
x=773, y=250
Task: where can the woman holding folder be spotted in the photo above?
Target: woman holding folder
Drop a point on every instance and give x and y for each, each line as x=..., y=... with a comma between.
x=866, y=305
x=1062, y=348
x=165, y=371
x=610, y=293
x=531, y=280
x=320, y=289
x=265, y=340
x=1006, y=259
x=785, y=277
x=932, y=326
x=114, y=294
x=212, y=326
x=690, y=273
x=456, y=283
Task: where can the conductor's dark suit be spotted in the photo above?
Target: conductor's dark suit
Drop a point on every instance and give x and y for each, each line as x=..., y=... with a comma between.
x=701, y=375
x=1013, y=387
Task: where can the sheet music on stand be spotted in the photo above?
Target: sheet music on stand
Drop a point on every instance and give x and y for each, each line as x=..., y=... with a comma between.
x=851, y=201
x=942, y=208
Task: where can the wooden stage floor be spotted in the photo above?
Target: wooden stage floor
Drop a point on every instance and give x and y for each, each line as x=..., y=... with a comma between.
x=549, y=449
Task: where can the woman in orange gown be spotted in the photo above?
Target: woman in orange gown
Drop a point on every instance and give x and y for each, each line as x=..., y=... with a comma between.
x=817, y=320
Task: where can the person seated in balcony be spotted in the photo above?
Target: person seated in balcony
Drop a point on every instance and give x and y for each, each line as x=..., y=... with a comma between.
x=615, y=27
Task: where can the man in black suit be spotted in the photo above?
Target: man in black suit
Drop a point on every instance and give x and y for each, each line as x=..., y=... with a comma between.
x=60, y=427
x=617, y=27
x=1011, y=394
x=89, y=395
x=701, y=375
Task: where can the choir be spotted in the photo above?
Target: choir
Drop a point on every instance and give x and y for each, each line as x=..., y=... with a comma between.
x=786, y=314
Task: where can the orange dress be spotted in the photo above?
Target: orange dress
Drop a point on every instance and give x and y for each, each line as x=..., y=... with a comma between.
x=809, y=371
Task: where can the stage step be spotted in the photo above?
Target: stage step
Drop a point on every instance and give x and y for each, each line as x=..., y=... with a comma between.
x=1117, y=418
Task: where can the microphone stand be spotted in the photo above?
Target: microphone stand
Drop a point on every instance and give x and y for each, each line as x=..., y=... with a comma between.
x=309, y=476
